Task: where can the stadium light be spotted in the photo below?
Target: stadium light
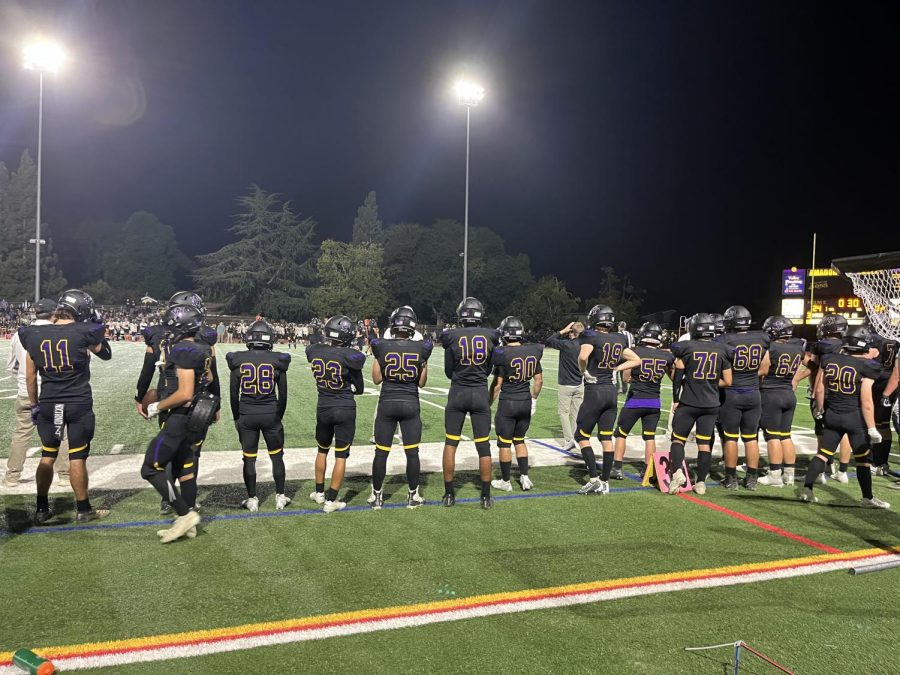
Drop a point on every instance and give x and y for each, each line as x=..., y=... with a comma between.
x=469, y=94
x=44, y=57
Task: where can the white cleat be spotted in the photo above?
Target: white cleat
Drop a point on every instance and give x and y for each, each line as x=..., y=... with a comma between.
x=371, y=498
x=841, y=477
x=604, y=488
x=317, y=497
x=592, y=485
x=501, y=484
x=570, y=444
x=787, y=476
x=805, y=494
x=331, y=507
x=874, y=503
x=526, y=483
x=190, y=534
x=822, y=479
x=281, y=501
x=772, y=479
x=700, y=487
x=414, y=499
x=251, y=504
x=677, y=481
x=180, y=527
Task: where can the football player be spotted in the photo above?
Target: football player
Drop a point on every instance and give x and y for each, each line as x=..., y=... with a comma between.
x=259, y=396
x=643, y=401
x=742, y=407
x=337, y=369
x=780, y=364
x=884, y=393
x=59, y=353
x=187, y=376
x=518, y=380
x=401, y=368
x=603, y=353
x=844, y=401
x=468, y=351
x=702, y=367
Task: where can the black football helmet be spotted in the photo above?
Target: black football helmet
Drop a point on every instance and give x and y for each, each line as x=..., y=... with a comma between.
x=702, y=327
x=260, y=335
x=601, y=315
x=512, y=329
x=778, y=327
x=650, y=334
x=79, y=303
x=182, y=320
x=340, y=330
x=470, y=312
x=857, y=339
x=403, y=320
x=188, y=298
x=719, y=320
x=832, y=325
x=737, y=318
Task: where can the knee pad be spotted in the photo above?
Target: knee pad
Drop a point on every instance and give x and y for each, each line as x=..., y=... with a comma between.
x=249, y=458
x=323, y=449
x=503, y=442
x=381, y=453
x=604, y=435
x=342, y=453
x=148, y=471
x=452, y=441
x=483, y=449
x=620, y=433
x=862, y=456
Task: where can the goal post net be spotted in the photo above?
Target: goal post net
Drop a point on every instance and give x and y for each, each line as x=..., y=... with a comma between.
x=876, y=281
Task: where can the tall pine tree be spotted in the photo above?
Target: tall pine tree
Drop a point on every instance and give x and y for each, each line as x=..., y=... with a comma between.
x=367, y=226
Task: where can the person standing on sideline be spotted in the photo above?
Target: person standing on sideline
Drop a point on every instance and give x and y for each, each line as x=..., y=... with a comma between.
x=21, y=437
x=569, y=380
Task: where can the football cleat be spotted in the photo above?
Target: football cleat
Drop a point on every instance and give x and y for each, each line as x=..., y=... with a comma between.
x=881, y=470
x=526, y=483
x=371, y=498
x=750, y=482
x=414, y=499
x=805, y=494
x=787, y=476
x=570, y=445
x=603, y=489
x=841, y=477
x=251, y=504
x=378, y=502
x=448, y=500
x=730, y=482
x=895, y=485
x=822, y=479
x=180, y=527
x=88, y=516
x=41, y=517
x=190, y=534
x=487, y=503
x=616, y=474
x=331, y=507
x=317, y=497
x=281, y=501
x=874, y=503
x=591, y=486
x=832, y=470
x=501, y=484
x=165, y=508
x=772, y=479
x=677, y=481
x=700, y=487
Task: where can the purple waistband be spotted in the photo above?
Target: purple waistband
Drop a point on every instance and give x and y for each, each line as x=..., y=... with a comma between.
x=643, y=403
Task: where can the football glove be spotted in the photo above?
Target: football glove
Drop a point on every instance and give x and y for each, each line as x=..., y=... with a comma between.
x=152, y=410
x=874, y=436
x=588, y=378
x=818, y=414
x=35, y=411
x=533, y=406
x=886, y=401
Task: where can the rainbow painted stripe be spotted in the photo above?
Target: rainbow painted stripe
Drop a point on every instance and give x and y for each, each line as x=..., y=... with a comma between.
x=201, y=642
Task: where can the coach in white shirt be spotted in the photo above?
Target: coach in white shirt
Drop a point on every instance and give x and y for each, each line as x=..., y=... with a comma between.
x=21, y=438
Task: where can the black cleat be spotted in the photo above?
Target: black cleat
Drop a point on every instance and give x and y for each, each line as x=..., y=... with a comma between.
x=750, y=482
x=730, y=483
x=41, y=517
x=487, y=503
x=93, y=514
x=448, y=500
x=616, y=474
x=165, y=508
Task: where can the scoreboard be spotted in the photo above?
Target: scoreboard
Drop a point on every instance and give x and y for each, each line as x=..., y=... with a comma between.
x=808, y=295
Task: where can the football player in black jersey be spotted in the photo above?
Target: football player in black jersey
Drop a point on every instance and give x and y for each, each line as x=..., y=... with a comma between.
x=829, y=338
x=468, y=351
x=780, y=364
x=187, y=376
x=603, y=353
x=643, y=401
x=884, y=394
x=741, y=409
x=702, y=367
x=516, y=366
x=59, y=353
x=258, y=401
x=401, y=368
x=844, y=401
x=337, y=369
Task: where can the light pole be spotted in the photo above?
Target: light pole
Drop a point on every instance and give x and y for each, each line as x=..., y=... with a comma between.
x=44, y=57
x=469, y=94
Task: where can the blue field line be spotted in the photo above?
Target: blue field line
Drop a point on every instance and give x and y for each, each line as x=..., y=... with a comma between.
x=293, y=513
x=575, y=455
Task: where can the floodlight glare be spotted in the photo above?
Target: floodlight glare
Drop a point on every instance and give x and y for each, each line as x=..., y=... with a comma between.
x=468, y=93
x=44, y=56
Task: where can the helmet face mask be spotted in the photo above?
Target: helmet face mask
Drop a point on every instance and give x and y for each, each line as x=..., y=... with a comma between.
x=650, y=335
x=778, y=327
x=737, y=318
x=857, y=340
x=339, y=330
x=602, y=316
x=182, y=320
x=512, y=329
x=719, y=321
x=78, y=303
x=470, y=312
x=403, y=321
x=260, y=335
x=702, y=327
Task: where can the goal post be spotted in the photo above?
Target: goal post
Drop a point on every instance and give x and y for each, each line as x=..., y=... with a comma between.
x=876, y=280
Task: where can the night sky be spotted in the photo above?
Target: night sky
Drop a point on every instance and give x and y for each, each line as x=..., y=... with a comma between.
x=695, y=146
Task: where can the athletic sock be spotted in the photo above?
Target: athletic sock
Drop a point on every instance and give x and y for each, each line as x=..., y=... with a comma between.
x=816, y=467
x=82, y=505
x=320, y=487
x=449, y=489
x=704, y=459
x=843, y=466
x=881, y=452
x=379, y=469
x=250, y=476
x=170, y=494
x=504, y=470
x=278, y=472
x=607, y=464
x=523, y=465
x=731, y=471
x=590, y=460
x=617, y=464
x=189, y=492
x=787, y=466
x=676, y=456
x=43, y=503
x=330, y=495
x=774, y=467
x=751, y=471
x=413, y=469
x=485, y=489
x=864, y=477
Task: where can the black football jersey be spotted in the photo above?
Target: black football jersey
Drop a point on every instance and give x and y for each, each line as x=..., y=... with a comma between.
x=60, y=354
x=258, y=372
x=517, y=365
x=335, y=369
x=825, y=346
x=402, y=362
x=207, y=335
x=704, y=362
x=153, y=337
x=468, y=353
x=747, y=352
x=887, y=355
x=646, y=379
x=184, y=354
x=785, y=358
x=843, y=375
x=607, y=354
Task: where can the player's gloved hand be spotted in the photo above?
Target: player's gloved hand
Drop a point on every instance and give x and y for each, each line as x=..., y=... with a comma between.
x=533, y=406
x=152, y=410
x=874, y=435
x=886, y=401
x=589, y=379
x=35, y=411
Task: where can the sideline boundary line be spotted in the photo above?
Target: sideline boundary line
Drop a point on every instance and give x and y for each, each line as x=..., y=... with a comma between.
x=217, y=640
